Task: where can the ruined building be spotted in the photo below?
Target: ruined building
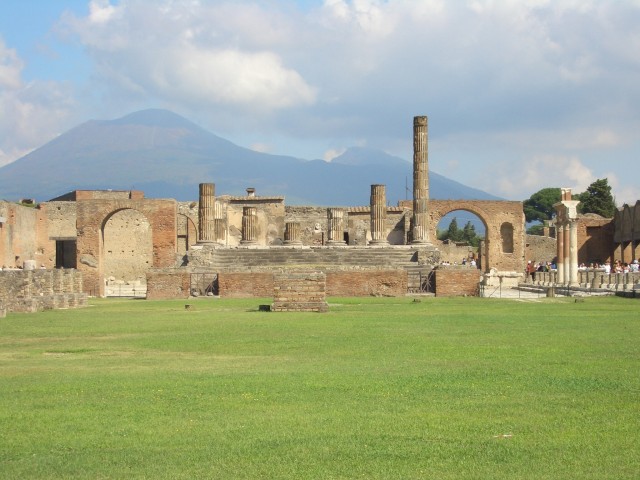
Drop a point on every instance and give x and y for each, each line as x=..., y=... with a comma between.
x=125, y=244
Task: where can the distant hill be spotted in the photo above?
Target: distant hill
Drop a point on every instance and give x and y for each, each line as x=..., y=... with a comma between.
x=167, y=156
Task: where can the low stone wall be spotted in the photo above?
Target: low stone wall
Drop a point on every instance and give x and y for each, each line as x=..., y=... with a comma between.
x=297, y=291
x=169, y=283
x=35, y=290
x=245, y=284
x=378, y=283
x=457, y=281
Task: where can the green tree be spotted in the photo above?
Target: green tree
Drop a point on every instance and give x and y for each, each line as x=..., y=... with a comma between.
x=598, y=199
x=539, y=206
x=468, y=232
x=454, y=233
x=537, y=229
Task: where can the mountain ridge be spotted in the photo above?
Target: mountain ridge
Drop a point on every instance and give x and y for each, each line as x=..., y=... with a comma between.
x=166, y=155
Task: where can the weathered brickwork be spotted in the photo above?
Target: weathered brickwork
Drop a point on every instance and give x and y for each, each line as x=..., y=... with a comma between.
x=595, y=239
x=539, y=248
x=377, y=283
x=627, y=233
x=169, y=283
x=245, y=284
x=504, y=229
x=296, y=291
x=457, y=281
x=93, y=215
x=35, y=290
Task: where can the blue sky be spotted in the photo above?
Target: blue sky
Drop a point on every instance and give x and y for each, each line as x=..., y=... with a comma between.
x=520, y=95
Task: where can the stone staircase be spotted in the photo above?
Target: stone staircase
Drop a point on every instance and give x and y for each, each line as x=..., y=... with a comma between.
x=240, y=259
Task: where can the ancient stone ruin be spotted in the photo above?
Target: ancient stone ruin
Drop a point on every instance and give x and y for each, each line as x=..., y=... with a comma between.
x=123, y=244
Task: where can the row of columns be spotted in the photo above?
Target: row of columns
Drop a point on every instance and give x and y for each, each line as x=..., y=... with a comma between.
x=212, y=231
x=211, y=215
x=566, y=223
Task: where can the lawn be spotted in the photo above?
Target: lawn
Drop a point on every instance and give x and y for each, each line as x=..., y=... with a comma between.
x=377, y=388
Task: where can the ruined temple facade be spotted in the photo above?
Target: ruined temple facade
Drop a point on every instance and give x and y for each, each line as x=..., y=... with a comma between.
x=120, y=239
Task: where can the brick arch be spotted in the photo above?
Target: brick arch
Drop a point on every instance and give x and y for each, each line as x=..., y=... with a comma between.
x=493, y=215
x=93, y=214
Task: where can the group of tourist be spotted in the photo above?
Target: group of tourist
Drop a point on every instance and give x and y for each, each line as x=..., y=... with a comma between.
x=618, y=267
x=533, y=267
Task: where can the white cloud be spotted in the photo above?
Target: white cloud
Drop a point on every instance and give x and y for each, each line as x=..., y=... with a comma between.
x=330, y=154
x=31, y=112
x=521, y=179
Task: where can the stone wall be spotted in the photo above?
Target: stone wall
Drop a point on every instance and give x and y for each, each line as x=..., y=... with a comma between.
x=165, y=284
x=539, y=248
x=396, y=225
x=452, y=253
x=270, y=219
x=456, y=281
x=93, y=215
x=377, y=283
x=18, y=234
x=34, y=290
x=595, y=239
x=245, y=284
x=297, y=291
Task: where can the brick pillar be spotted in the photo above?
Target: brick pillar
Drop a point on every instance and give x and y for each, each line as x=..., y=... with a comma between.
x=335, y=231
x=219, y=230
x=292, y=233
x=378, y=203
x=249, y=226
x=420, y=232
x=206, y=215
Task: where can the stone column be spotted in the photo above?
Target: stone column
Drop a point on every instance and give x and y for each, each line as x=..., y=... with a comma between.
x=292, y=233
x=249, y=226
x=378, y=203
x=560, y=251
x=335, y=230
x=207, y=197
x=567, y=253
x=420, y=232
x=573, y=252
x=219, y=230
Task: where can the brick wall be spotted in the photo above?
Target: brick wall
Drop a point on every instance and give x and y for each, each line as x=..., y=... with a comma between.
x=166, y=284
x=385, y=283
x=245, y=284
x=456, y=281
x=296, y=291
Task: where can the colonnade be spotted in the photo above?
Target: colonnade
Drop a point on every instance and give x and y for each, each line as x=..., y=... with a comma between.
x=566, y=223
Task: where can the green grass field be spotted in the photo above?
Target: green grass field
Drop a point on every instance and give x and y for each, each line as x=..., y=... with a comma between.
x=461, y=388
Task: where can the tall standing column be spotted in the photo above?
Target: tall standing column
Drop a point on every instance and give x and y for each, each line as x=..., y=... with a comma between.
x=206, y=202
x=335, y=230
x=573, y=252
x=220, y=232
x=249, y=226
x=292, y=233
x=560, y=252
x=420, y=232
x=567, y=253
x=378, y=203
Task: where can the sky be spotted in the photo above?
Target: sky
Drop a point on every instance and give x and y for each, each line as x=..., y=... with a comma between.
x=520, y=94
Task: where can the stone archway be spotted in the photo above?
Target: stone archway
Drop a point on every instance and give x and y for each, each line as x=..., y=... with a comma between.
x=451, y=250
x=127, y=246
x=92, y=216
x=504, y=229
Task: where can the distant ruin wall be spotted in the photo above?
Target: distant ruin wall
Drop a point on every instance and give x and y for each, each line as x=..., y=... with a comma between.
x=539, y=248
x=457, y=281
x=168, y=284
x=35, y=290
x=377, y=283
x=245, y=285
